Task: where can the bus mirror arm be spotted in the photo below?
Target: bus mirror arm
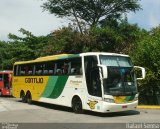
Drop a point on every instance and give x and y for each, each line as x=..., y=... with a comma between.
x=104, y=71
x=143, y=72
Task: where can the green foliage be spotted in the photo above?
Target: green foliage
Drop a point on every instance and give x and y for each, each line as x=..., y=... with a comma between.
x=67, y=40
x=119, y=37
x=90, y=11
x=147, y=54
x=33, y=43
x=3, y=47
x=116, y=36
x=27, y=47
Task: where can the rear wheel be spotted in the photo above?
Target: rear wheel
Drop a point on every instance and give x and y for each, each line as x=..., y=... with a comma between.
x=23, y=97
x=77, y=105
x=29, y=98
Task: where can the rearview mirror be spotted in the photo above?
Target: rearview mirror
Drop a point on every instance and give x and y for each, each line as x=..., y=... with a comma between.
x=104, y=71
x=140, y=72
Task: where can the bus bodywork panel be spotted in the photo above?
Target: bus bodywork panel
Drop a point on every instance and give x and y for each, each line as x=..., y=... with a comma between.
x=51, y=89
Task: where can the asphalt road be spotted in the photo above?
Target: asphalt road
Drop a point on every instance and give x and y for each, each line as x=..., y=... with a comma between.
x=12, y=110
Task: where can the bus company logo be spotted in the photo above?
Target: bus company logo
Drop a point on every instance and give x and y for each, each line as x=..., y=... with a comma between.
x=92, y=104
x=33, y=80
x=75, y=82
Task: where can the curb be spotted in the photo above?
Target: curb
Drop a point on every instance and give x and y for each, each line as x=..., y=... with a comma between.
x=148, y=107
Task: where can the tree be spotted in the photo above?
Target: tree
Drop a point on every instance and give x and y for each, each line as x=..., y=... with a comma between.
x=67, y=40
x=147, y=54
x=3, y=47
x=117, y=36
x=27, y=47
x=90, y=12
x=34, y=43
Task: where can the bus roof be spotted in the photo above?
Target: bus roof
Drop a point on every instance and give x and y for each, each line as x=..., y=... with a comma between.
x=48, y=58
x=103, y=53
x=65, y=56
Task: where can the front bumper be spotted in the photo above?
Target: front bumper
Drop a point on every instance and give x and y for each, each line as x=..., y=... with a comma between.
x=113, y=107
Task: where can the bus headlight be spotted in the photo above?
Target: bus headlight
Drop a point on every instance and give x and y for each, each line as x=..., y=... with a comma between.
x=109, y=100
x=136, y=97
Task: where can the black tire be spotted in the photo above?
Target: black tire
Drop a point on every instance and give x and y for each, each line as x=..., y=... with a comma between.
x=29, y=98
x=77, y=105
x=23, y=97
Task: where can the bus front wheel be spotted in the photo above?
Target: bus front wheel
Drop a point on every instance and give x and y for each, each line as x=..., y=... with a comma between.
x=77, y=105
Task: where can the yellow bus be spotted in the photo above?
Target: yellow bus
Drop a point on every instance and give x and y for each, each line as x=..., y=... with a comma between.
x=96, y=81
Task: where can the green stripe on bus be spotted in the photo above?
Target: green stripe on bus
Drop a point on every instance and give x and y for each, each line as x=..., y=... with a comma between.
x=54, y=87
x=50, y=86
x=69, y=56
x=59, y=86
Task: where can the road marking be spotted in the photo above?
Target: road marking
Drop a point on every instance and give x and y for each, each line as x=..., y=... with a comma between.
x=148, y=107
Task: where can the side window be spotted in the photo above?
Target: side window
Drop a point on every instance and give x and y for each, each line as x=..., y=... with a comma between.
x=76, y=66
x=90, y=62
x=26, y=69
x=71, y=66
x=16, y=70
x=63, y=67
x=39, y=67
x=66, y=67
x=23, y=70
x=49, y=68
x=29, y=69
x=59, y=67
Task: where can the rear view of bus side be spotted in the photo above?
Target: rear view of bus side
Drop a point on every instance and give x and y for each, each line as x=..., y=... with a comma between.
x=100, y=82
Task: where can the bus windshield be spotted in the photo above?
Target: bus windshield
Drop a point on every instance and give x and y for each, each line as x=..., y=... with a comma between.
x=121, y=78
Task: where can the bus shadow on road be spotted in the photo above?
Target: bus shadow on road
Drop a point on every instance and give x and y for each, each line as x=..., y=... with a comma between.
x=113, y=114
x=68, y=109
x=52, y=106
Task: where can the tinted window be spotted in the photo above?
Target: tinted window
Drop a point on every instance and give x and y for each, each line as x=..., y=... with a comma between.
x=23, y=70
x=92, y=76
x=71, y=66
x=76, y=66
x=49, y=68
x=39, y=67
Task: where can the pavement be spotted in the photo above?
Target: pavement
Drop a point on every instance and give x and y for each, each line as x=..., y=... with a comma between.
x=148, y=107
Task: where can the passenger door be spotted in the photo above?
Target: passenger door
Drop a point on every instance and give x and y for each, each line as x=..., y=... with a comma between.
x=92, y=76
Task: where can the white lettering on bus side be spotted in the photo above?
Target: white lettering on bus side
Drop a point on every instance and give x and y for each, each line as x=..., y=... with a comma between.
x=33, y=80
